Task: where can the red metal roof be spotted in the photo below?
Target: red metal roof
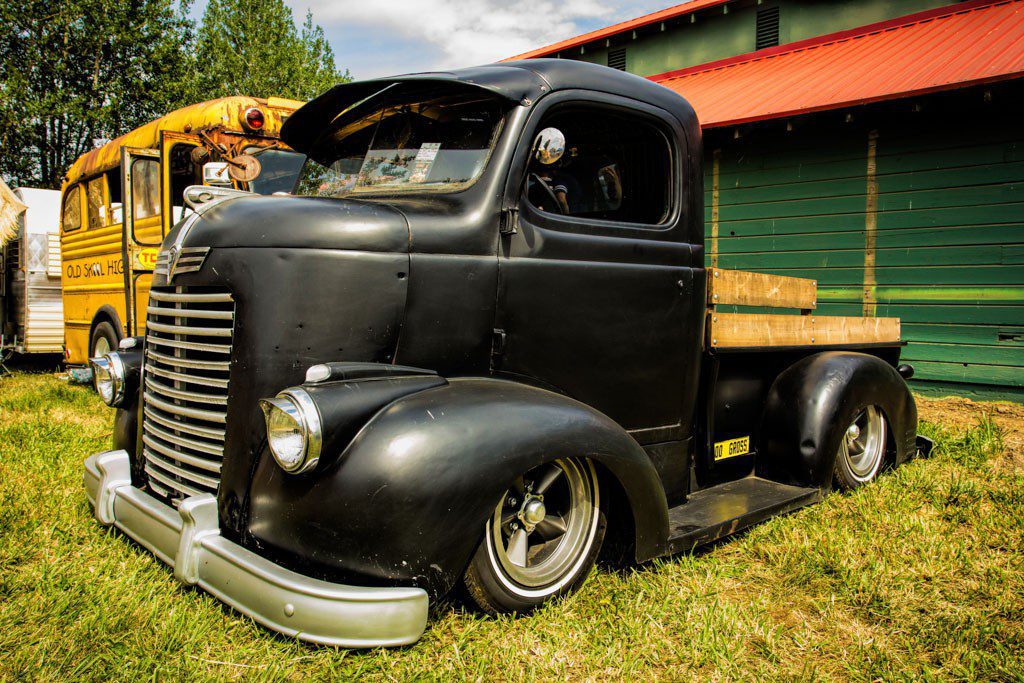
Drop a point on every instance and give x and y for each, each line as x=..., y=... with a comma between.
x=951, y=47
x=614, y=29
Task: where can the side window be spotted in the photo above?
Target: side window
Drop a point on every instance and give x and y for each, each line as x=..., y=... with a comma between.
x=97, y=209
x=145, y=188
x=615, y=167
x=116, y=216
x=71, y=212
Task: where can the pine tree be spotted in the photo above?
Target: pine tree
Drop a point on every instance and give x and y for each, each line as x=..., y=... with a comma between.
x=255, y=48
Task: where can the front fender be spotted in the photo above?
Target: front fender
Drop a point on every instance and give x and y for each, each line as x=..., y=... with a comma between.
x=811, y=404
x=407, y=499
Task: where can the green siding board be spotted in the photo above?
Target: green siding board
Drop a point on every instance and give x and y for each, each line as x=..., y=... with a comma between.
x=1006, y=355
x=996, y=214
x=981, y=335
x=969, y=373
x=837, y=258
x=1005, y=236
x=903, y=182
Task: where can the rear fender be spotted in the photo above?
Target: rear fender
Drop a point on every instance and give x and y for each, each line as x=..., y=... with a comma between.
x=406, y=500
x=811, y=404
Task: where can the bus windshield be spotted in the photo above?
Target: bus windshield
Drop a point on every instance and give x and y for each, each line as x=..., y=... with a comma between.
x=279, y=169
x=399, y=141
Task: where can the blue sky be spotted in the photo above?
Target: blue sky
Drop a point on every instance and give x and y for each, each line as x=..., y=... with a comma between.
x=395, y=36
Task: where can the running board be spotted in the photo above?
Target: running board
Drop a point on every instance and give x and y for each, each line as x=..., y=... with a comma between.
x=721, y=510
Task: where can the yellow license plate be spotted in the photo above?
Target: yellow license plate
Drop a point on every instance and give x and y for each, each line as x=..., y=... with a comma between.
x=732, y=448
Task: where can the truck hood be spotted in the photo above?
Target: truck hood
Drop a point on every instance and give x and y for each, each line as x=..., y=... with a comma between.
x=298, y=223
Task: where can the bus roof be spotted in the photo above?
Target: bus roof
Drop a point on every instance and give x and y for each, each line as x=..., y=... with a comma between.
x=225, y=113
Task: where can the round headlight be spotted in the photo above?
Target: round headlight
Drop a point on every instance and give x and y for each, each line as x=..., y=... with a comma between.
x=293, y=430
x=108, y=378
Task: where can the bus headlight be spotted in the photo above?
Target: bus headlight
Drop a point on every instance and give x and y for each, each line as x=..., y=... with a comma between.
x=294, y=431
x=108, y=374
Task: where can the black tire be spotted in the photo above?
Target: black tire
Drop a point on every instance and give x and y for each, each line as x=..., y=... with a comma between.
x=862, y=449
x=492, y=587
x=103, y=333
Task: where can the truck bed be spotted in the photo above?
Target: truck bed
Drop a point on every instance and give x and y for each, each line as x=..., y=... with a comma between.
x=735, y=330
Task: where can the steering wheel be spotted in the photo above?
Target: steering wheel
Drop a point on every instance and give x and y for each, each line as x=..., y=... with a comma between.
x=549, y=192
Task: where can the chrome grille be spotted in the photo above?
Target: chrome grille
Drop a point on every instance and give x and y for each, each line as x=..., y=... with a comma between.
x=185, y=379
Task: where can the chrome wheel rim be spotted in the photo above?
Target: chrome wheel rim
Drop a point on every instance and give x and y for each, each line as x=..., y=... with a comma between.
x=863, y=444
x=542, y=529
x=101, y=348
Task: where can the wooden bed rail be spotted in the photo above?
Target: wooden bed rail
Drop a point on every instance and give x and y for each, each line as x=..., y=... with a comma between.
x=756, y=330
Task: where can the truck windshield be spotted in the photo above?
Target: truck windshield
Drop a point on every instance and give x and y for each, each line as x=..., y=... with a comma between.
x=279, y=169
x=400, y=141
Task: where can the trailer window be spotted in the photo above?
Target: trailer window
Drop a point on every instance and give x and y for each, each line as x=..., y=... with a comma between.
x=71, y=213
x=145, y=188
x=616, y=167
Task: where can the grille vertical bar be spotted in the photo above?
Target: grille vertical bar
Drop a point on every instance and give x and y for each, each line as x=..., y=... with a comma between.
x=185, y=389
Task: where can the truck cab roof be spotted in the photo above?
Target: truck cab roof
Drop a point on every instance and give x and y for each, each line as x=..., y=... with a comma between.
x=523, y=81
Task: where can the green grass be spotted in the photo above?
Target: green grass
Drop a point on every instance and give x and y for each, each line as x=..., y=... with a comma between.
x=919, y=576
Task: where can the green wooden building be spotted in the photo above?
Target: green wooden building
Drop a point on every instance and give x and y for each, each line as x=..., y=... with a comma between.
x=876, y=146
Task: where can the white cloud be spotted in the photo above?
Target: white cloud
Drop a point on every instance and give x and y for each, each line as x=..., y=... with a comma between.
x=465, y=32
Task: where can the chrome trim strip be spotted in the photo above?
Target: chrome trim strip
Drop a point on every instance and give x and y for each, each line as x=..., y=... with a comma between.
x=185, y=395
x=166, y=480
x=184, y=329
x=191, y=346
x=192, y=379
x=188, y=539
x=187, y=427
x=184, y=411
x=190, y=313
x=203, y=297
x=219, y=366
x=176, y=468
x=202, y=447
x=181, y=458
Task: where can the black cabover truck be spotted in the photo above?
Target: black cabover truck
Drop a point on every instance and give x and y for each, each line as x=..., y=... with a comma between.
x=475, y=348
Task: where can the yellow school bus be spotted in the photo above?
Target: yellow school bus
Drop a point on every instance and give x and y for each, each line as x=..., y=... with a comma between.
x=121, y=199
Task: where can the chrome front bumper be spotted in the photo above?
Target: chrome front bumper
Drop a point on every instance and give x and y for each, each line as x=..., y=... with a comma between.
x=189, y=540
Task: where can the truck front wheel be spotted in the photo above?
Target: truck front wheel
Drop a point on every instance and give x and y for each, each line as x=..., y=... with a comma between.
x=541, y=541
x=862, y=450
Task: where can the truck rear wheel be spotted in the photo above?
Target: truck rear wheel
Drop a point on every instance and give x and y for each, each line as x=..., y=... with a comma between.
x=103, y=339
x=862, y=450
x=541, y=541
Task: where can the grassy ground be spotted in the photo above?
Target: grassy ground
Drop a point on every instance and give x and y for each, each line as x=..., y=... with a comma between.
x=920, y=575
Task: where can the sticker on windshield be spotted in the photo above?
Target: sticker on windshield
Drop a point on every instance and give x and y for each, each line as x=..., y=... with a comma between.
x=424, y=162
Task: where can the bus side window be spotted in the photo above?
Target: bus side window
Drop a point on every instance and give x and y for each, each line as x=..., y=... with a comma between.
x=97, y=209
x=145, y=188
x=71, y=213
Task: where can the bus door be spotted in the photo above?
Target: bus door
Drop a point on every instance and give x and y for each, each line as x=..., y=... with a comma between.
x=143, y=229
x=182, y=156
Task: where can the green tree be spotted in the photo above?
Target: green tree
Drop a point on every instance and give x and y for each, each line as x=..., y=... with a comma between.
x=75, y=71
x=255, y=48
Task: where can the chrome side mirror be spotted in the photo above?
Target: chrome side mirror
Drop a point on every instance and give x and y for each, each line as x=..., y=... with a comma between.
x=549, y=146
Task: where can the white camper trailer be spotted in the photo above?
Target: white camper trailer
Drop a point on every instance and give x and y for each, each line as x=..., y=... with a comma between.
x=31, y=311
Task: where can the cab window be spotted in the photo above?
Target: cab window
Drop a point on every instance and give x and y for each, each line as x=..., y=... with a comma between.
x=145, y=188
x=616, y=167
x=71, y=212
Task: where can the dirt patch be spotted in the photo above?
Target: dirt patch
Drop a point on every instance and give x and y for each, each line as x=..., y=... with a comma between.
x=961, y=413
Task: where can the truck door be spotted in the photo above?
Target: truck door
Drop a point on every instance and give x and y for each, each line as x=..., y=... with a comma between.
x=596, y=282
x=143, y=229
